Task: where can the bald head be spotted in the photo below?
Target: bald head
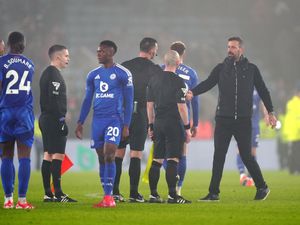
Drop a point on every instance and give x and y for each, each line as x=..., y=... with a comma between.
x=2, y=47
x=172, y=58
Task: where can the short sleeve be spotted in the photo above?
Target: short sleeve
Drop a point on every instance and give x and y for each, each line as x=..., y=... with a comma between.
x=181, y=91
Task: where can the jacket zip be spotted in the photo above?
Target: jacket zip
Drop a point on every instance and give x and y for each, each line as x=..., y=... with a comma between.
x=235, y=94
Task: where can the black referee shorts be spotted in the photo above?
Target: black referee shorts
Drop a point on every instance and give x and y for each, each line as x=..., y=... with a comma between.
x=54, y=140
x=123, y=143
x=138, y=130
x=169, y=137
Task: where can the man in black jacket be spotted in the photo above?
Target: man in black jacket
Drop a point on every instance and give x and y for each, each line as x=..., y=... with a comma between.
x=236, y=78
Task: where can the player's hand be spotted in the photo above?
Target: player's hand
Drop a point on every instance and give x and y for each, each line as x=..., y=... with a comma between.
x=79, y=131
x=266, y=119
x=150, y=132
x=125, y=133
x=188, y=136
x=193, y=131
x=272, y=120
x=189, y=95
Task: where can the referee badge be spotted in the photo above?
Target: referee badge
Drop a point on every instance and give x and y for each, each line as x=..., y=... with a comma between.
x=185, y=89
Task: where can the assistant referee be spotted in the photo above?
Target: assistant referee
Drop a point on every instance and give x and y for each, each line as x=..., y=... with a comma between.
x=53, y=103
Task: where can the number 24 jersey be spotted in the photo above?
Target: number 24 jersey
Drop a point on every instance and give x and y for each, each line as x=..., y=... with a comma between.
x=16, y=74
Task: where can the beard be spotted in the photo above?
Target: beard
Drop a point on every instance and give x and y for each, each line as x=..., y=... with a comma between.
x=234, y=57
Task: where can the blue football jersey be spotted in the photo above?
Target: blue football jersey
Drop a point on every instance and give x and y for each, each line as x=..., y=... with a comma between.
x=16, y=74
x=105, y=87
x=255, y=109
x=190, y=77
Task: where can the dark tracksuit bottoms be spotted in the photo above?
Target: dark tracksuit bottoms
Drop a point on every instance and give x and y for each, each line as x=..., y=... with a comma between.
x=240, y=128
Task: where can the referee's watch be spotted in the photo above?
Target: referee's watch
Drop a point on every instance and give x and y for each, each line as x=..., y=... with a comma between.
x=187, y=127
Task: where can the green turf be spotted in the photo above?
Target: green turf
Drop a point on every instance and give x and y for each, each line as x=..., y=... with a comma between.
x=235, y=207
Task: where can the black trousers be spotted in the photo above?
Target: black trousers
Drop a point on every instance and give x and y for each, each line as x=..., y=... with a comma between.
x=241, y=130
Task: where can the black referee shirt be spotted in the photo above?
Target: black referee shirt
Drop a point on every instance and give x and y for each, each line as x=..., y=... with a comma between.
x=166, y=90
x=53, y=97
x=142, y=71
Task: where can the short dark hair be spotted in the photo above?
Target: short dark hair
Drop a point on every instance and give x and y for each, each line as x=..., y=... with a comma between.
x=238, y=39
x=55, y=48
x=178, y=46
x=16, y=42
x=111, y=44
x=147, y=44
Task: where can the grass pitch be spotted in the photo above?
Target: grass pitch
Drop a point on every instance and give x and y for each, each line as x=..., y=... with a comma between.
x=235, y=207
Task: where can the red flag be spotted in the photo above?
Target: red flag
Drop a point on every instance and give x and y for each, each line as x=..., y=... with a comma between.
x=65, y=165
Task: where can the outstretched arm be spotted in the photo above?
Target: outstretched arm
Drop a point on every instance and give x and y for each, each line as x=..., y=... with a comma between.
x=209, y=83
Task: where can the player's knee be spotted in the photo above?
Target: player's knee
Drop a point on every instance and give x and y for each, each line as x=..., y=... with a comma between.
x=24, y=153
x=136, y=154
x=109, y=155
x=101, y=159
x=109, y=158
x=120, y=153
x=7, y=153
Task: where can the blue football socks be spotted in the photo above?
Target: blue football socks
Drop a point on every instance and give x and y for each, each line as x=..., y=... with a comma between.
x=7, y=175
x=102, y=174
x=109, y=177
x=23, y=176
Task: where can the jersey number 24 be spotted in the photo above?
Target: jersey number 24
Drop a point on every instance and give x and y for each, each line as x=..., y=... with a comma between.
x=22, y=85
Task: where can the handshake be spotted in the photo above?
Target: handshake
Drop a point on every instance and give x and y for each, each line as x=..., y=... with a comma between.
x=189, y=95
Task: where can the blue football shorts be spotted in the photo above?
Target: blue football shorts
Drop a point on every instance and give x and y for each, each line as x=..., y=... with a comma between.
x=106, y=130
x=17, y=123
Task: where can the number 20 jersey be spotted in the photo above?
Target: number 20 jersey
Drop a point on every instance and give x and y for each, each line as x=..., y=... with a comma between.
x=16, y=74
x=106, y=86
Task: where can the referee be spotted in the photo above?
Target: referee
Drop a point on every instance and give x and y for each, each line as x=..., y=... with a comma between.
x=53, y=103
x=142, y=69
x=171, y=127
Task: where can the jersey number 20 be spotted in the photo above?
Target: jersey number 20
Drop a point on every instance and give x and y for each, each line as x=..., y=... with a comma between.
x=22, y=85
x=113, y=131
